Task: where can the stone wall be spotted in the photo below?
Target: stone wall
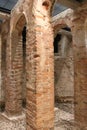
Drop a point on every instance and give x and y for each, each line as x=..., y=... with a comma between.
x=64, y=75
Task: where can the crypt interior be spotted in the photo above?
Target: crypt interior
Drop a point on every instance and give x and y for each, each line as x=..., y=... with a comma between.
x=43, y=64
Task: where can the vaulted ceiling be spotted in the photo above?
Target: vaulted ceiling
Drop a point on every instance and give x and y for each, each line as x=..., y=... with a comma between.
x=61, y=5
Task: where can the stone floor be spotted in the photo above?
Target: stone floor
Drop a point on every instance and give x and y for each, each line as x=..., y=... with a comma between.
x=16, y=123
x=64, y=119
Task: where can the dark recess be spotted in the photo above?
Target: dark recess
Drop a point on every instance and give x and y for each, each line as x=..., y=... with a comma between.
x=56, y=40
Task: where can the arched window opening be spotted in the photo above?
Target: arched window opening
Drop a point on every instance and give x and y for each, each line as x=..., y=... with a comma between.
x=17, y=86
x=21, y=28
x=62, y=41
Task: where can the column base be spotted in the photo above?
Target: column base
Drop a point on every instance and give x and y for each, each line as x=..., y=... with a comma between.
x=12, y=118
x=12, y=123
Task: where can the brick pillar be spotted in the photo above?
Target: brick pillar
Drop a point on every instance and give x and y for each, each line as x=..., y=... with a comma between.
x=80, y=68
x=3, y=68
x=0, y=73
x=14, y=77
x=40, y=70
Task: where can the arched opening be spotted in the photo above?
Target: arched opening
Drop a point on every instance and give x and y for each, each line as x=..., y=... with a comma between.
x=21, y=34
x=63, y=77
x=17, y=79
x=40, y=90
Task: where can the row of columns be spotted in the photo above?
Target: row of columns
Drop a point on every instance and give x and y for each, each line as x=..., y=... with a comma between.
x=40, y=79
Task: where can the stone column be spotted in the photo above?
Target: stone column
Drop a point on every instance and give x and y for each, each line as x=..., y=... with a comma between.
x=40, y=69
x=64, y=45
x=14, y=77
x=64, y=69
x=80, y=68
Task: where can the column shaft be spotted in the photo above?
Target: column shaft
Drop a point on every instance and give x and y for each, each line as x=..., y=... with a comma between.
x=80, y=66
x=40, y=70
x=14, y=79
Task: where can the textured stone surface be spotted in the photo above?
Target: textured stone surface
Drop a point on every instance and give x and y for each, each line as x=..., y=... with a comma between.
x=80, y=62
x=14, y=90
x=15, y=123
x=4, y=33
x=40, y=79
x=0, y=69
x=64, y=119
x=40, y=75
x=39, y=62
x=64, y=74
x=78, y=23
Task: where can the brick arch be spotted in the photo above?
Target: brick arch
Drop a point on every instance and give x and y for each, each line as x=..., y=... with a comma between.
x=62, y=20
x=40, y=68
x=14, y=88
x=62, y=23
x=59, y=28
x=18, y=22
x=20, y=25
x=16, y=30
x=17, y=37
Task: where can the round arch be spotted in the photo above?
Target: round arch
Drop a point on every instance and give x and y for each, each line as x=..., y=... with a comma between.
x=61, y=24
x=18, y=22
x=16, y=66
x=40, y=90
